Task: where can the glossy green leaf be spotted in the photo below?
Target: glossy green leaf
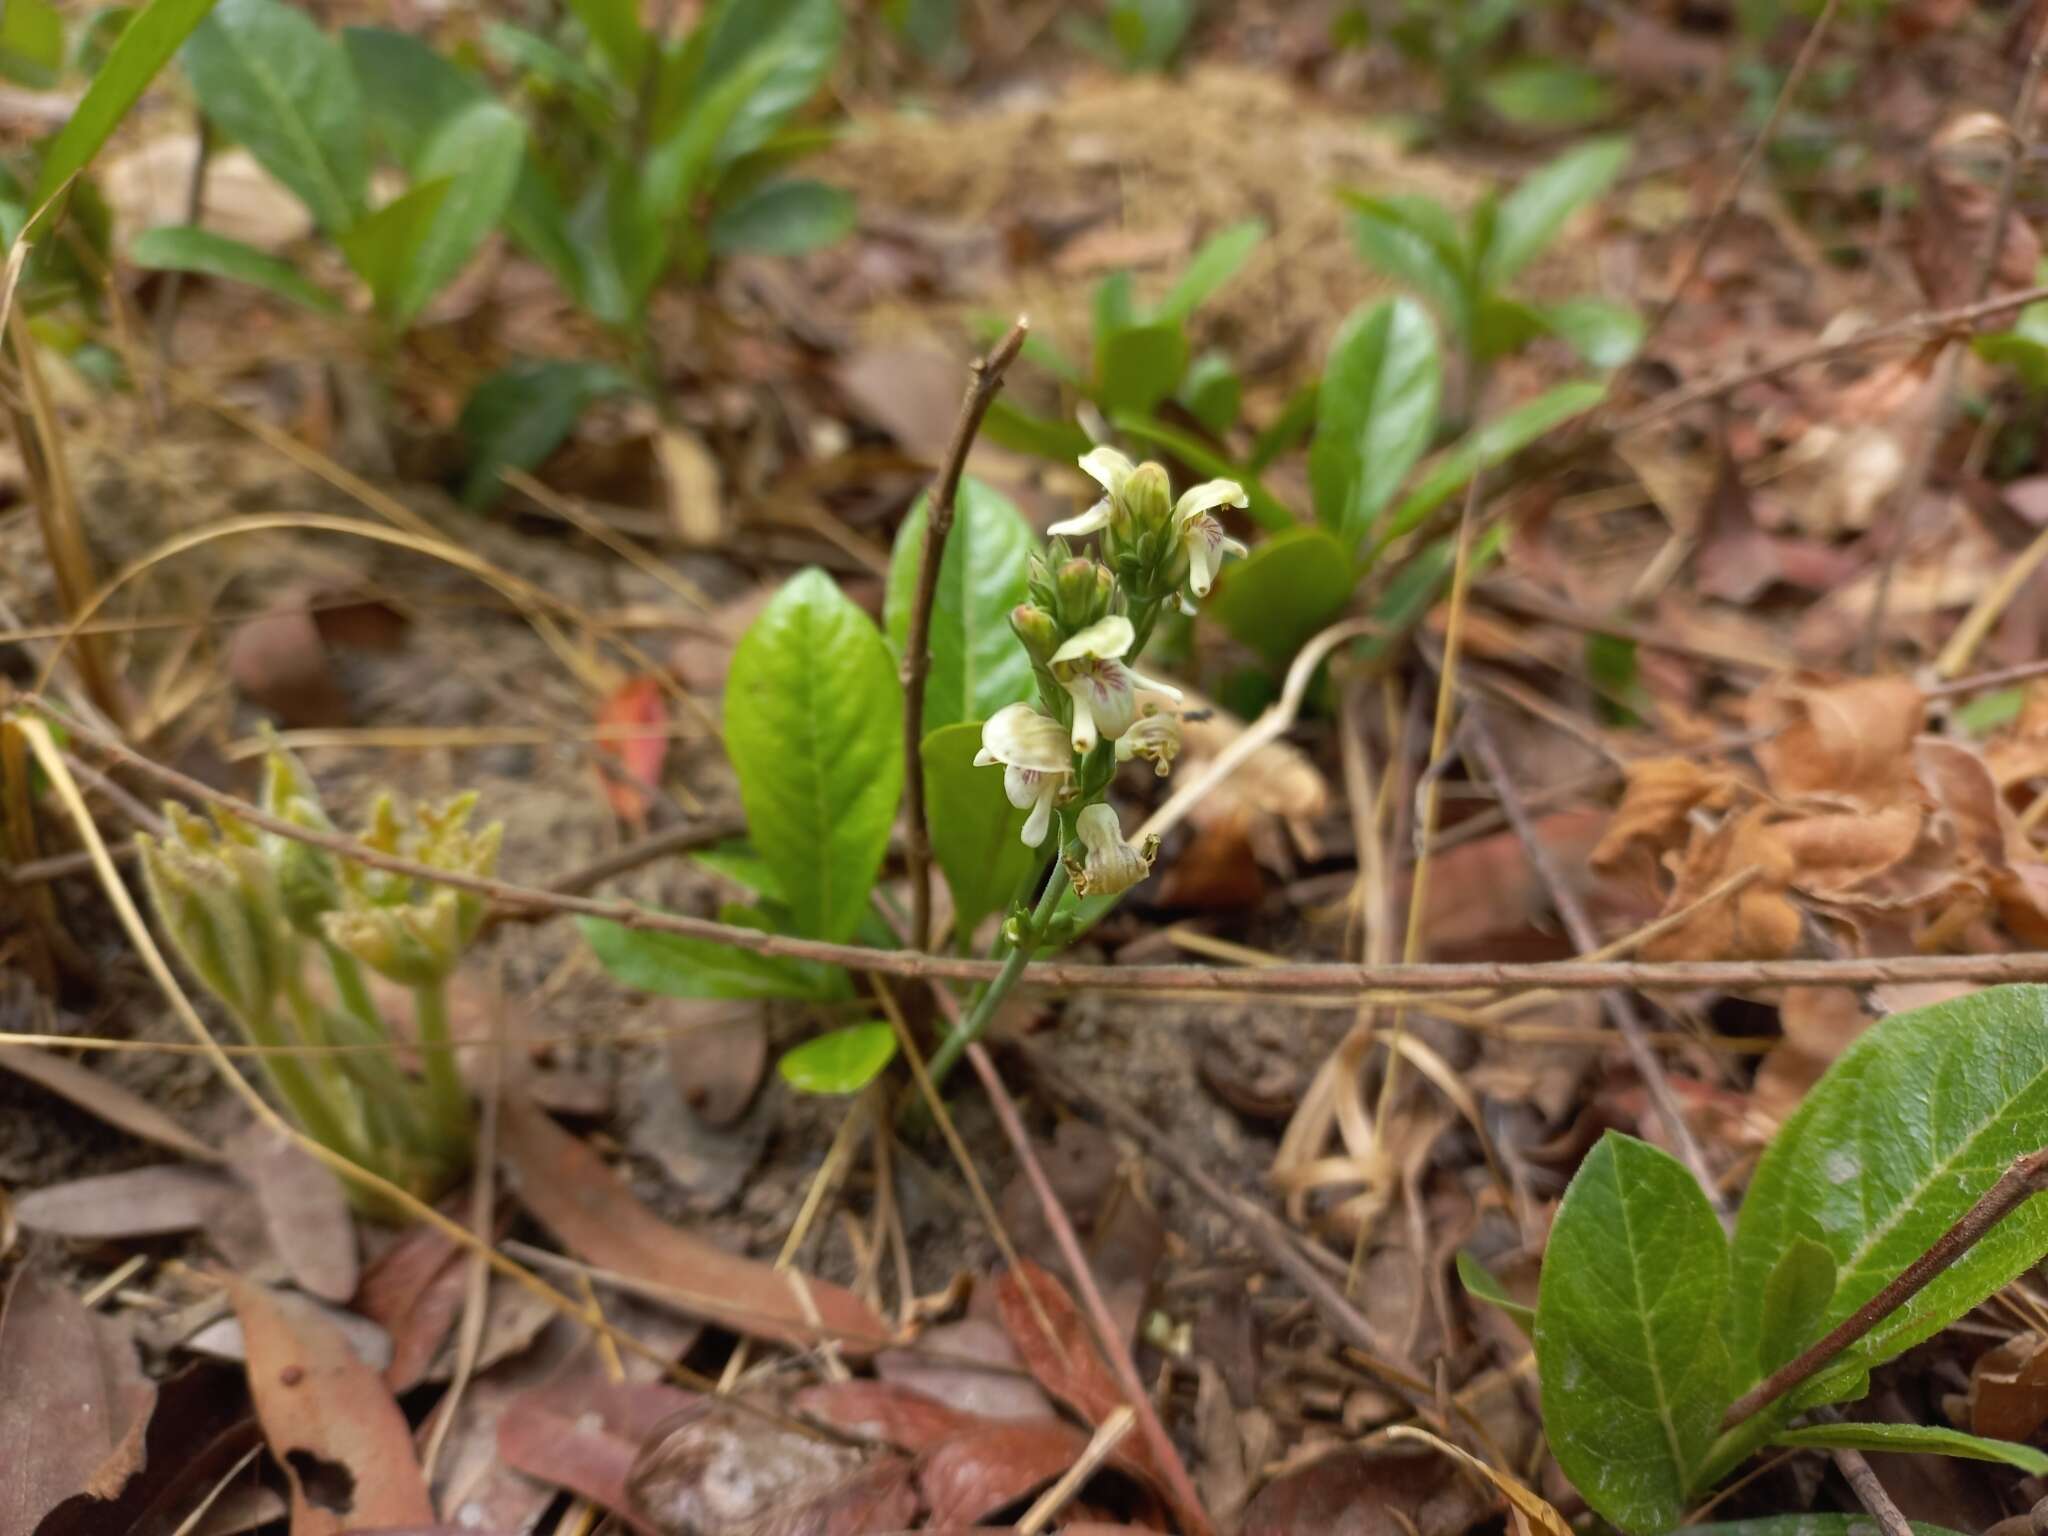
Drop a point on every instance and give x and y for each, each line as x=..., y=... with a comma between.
x=1605, y=335
x=1140, y=365
x=679, y=162
x=1416, y=241
x=1290, y=586
x=1905, y=1132
x=382, y=246
x=844, y=1061
x=1377, y=412
x=1025, y=432
x=1929, y=1439
x=31, y=43
x=1541, y=93
x=783, y=218
x=1213, y=265
x=268, y=77
x=976, y=832
x=1211, y=392
x=674, y=965
x=804, y=36
x=614, y=26
x=977, y=666
x=1629, y=1317
x=1493, y=443
x=814, y=727
x=1503, y=326
x=145, y=45
x=1810, y=1525
x=542, y=62
x=1266, y=508
x=1795, y=1299
x=521, y=414
x=478, y=152
x=1479, y=1281
x=1529, y=217
x=188, y=248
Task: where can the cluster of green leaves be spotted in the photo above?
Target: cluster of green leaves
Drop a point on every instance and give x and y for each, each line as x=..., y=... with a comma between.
x=1650, y=1321
x=814, y=728
x=1136, y=35
x=1143, y=360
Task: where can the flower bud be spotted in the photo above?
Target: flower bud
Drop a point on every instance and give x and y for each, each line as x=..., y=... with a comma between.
x=1035, y=631
x=224, y=931
x=1082, y=593
x=1147, y=500
x=415, y=946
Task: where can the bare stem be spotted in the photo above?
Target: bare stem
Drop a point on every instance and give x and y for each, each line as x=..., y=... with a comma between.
x=984, y=380
x=1889, y=1517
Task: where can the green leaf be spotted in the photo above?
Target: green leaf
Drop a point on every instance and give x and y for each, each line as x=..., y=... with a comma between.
x=784, y=218
x=1415, y=587
x=1810, y=1525
x=1211, y=391
x=1213, y=265
x=1377, y=412
x=679, y=162
x=1917, y=1437
x=804, y=37
x=1629, y=1346
x=1605, y=335
x=674, y=965
x=1539, y=93
x=1286, y=589
x=977, y=666
x=269, y=78
x=1114, y=305
x=521, y=414
x=1796, y=1297
x=478, y=152
x=382, y=245
x=976, y=832
x=1138, y=366
x=1529, y=217
x=1904, y=1133
x=542, y=61
x=188, y=248
x=1480, y=1282
x=1415, y=241
x=144, y=47
x=614, y=26
x=844, y=1061
x=1265, y=508
x=31, y=43
x=814, y=727
x=1503, y=326
x=1493, y=443
x=1025, y=432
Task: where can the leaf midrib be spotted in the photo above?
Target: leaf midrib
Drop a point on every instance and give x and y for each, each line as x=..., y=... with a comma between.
x=1678, y=1457
x=285, y=111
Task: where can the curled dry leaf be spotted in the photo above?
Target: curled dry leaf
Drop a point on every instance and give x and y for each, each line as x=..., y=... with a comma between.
x=414, y=1291
x=1657, y=802
x=74, y=1404
x=330, y=1421
x=584, y=1434
x=1849, y=743
x=1757, y=922
x=1531, y=1511
x=2009, y=1389
x=571, y=1192
x=1835, y=857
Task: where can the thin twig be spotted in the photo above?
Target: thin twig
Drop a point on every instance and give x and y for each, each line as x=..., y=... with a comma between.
x=165, y=319
x=682, y=838
x=985, y=379
x=1572, y=912
x=1887, y=1514
x=1107, y=1437
x=2027, y=1177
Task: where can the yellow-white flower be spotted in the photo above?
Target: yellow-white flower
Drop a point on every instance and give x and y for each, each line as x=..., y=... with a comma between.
x=1105, y=691
x=1108, y=469
x=1036, y=759
x=1201, y=535
x=1154, y=736
x=1110, y=864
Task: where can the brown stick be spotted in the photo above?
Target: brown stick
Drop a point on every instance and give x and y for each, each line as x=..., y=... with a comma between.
x=2028, y=1176
x=1868, y=1489
x=985, y=378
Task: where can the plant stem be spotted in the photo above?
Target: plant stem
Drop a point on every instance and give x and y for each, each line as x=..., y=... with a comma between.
x=323, y=1074
x=444, y=1083
x=976, y=1023
x=289, y=1079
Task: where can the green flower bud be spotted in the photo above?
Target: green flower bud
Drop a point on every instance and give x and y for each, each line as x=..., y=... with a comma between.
x=221, y=915
x=1147, y=502
x=414, y=946
x=1035, y=631
x=1083, y=591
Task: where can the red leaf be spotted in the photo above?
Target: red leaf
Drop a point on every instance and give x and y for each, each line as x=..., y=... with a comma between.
x=414, y=1291
x=880, y=1410
x=584, y=1435
x=569, y=1189
x=330, y=1420
x=973, y=1475
x=637, y=702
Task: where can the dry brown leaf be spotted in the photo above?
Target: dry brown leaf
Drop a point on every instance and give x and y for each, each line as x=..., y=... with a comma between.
x=717, y=1054
x=569, y=1189
x=330, y=1420
x=305, y=1211
x=1654, y=815
x=1758, y=922
x=1487, y=887
x=2009, y=1389
x=1848, y=743
x=992, y=1466
x=1532, y=1512
x=910, y=392
x=998, y=1388
x=142, y=1202
x=584, y=1435
x=1832, y=856
x=1367, y=1493
x=1958, y=208
x=414, y=1291
x=1819, y=1023
x=696, y=494
x=279, y=662
x=105, y=1098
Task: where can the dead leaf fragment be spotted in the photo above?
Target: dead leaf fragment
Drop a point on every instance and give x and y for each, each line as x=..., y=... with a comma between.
x=1657, y=801
x=997, y=1389
x=1849, y=743
x=305, y=1211
x=1532, y=1512
x=725, y=1472
x=278, y=662
x=1757, y=922
x=696, y=501
x=2009, y=1389
x=102, y=1096
x=974, y=1475
x=142, y=1202
x=584, y=1435
x=1363, y=1493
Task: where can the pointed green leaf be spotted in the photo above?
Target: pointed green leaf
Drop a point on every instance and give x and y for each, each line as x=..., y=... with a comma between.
x=614, y=26
x=1796, y=1297
x=383, y=245
x=1905, y=1132
x=1930, y=1439
x=1529, y=217
x=1540, y=93
x=1415, y=241
x=1211, y=391
x=478, y=151
x=269, y=78
x=521, y=414
x=1605, y=335
x=678, y=163
x=814, y=727
x=1215, y=264
x=188, y=248
x=31, y=43
x=844, y=1061
x=1290, y=586
x=804, y=36
x=977, y=666
x=1139, y=366
x=783, y=218
x=1628, y=1334
x=1377, y=412
x=1024, y=432
x=673, y=965
x=1493, y=443
x=976, y=832
x=145, y=45
x=1480, y=1281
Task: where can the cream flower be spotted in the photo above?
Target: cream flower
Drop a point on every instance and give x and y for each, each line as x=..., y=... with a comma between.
x=1154, y=736
x=1036, y=759
x=1201, y=535
x=1110, y=864
x=1090, y=667
x=1108, y=469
